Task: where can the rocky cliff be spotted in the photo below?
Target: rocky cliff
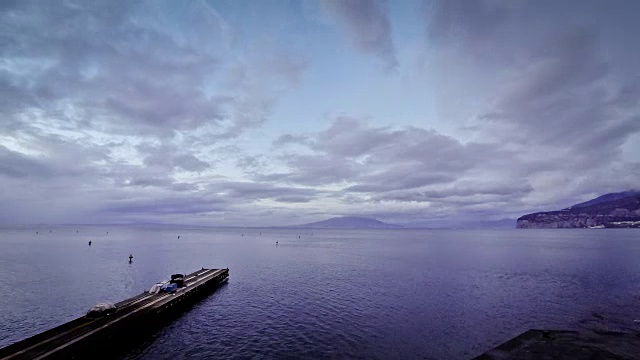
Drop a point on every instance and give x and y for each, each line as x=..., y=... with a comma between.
x=617, y=210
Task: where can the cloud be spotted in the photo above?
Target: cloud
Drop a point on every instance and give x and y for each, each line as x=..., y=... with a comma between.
x=376, y=160
x=422, y=173
x=99, y=59
x=120, y=67
x=480, y=19
x=165, y=206
x=251, y=163
x=293, y=199
x=368, y=27
x=395, y=178
x=115, y=108
x=170, y=157
x=16, y=165
x=155, y=111
x=289, y=139
x=559, y=87
x=465, y=191
x=254, y=191
x=565, y=97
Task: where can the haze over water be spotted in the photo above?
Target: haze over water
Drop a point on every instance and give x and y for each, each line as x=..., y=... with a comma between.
x=339, y=293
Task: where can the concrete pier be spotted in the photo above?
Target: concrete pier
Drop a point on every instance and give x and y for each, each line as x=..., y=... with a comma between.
x=80, y=338
x=569, y=345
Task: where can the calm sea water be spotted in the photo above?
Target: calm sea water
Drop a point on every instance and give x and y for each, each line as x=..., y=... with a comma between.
x=334, y=294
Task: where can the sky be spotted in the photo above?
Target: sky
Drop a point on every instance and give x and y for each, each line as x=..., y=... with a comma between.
x=268, y=113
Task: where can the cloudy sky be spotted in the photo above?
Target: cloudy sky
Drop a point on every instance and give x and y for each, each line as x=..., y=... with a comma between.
x=256, y=113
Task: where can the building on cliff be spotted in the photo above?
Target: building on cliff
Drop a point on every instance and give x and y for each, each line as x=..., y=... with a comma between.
x=616, y=210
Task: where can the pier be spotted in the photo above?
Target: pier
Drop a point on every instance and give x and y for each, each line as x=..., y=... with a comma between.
x=84, y=336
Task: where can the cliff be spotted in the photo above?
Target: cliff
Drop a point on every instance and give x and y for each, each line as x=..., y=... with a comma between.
x=617, y=210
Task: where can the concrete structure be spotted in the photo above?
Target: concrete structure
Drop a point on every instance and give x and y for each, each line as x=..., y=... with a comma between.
x=84, y=337
x=569, y=345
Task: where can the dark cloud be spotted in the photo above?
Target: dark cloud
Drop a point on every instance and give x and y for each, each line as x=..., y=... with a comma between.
x=368, y=27
x=376, y=159
x=350, y=137
x=43, y=156
x=463, y=191
x=451, y=19
x=123, y=71
x=293, y=199
x=290, y=139
x=99, y=58
x=189, y=162
x=158, y=181
x=426, y=150
x=249, y=112
x=171, y=157
x=251, y=163
x=17, y=165
x=561, y=91
x=628, y=94
x=375, y=165
x=565, y=100
x=165, y=206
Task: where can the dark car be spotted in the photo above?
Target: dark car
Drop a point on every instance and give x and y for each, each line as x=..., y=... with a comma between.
x=100, y=310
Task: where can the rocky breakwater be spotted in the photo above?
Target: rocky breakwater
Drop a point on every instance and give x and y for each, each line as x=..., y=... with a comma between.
x=617, y=210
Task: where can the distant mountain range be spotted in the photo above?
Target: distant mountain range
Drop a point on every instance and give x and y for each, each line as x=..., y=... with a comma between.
x=349, y=222
x=615, y=210
x=352, y=222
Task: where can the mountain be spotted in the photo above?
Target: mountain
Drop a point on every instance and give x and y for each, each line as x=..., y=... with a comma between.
x=606, y=198
x=615, y=210
x=461, y=224
x=349, y=222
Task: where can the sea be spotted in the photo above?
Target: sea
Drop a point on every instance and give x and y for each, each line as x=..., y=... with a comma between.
x=330, y=293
